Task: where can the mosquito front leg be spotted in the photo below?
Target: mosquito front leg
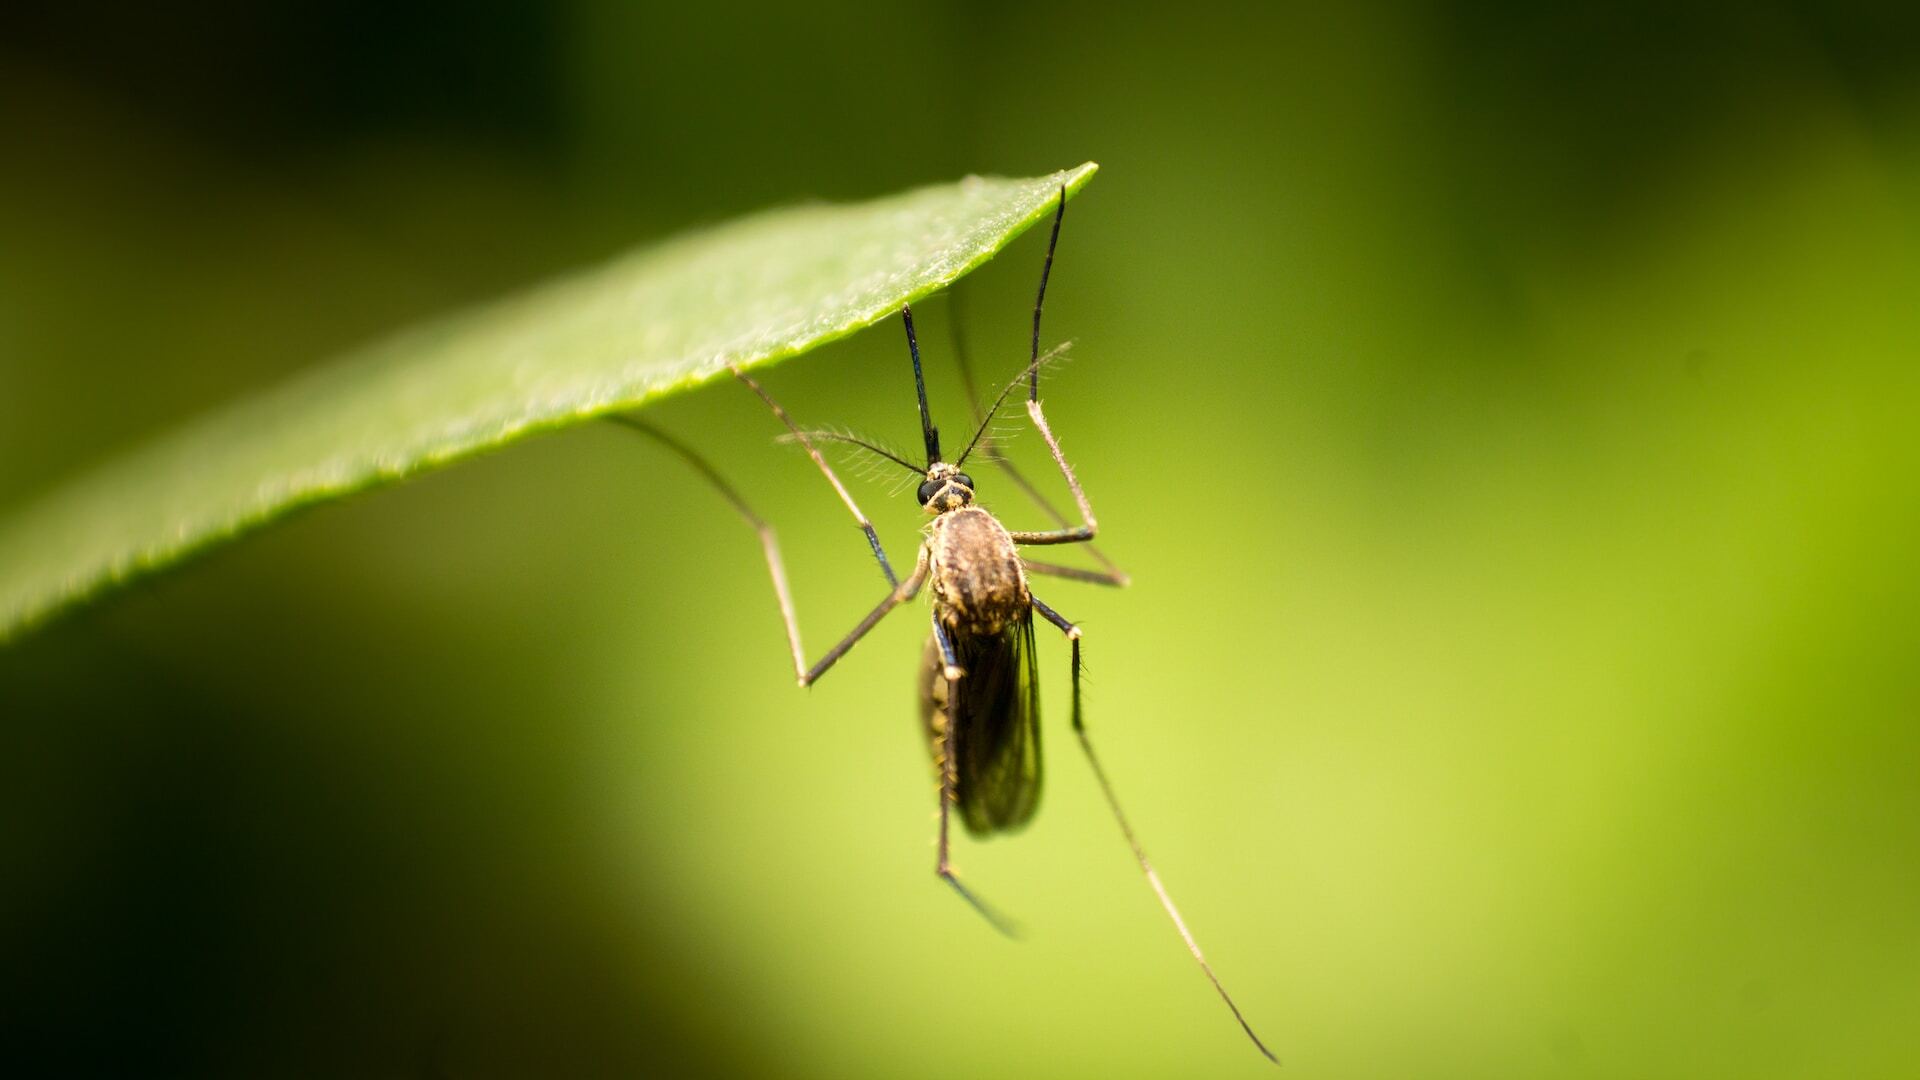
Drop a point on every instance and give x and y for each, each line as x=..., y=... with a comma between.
x=777, y=567
x=873, y=538
x=1120, y=817
x=901, y=593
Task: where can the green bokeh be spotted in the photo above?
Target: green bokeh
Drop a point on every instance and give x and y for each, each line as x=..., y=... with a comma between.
x=1507, y=419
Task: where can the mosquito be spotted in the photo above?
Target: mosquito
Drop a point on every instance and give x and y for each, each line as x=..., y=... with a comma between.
x=978, y=684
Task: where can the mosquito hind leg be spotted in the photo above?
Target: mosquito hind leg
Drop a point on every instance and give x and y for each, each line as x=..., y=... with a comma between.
x=1072, y=632
x=946, y=747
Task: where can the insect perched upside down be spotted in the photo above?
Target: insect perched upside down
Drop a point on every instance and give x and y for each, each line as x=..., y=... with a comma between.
x=979, y=697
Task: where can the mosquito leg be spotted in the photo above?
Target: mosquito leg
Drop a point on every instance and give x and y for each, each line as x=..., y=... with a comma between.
x=776, y=566
x=1066, y=534
x=1113, y=575
x=1075, y=573
x=903, y=592
x=1078, y=534
x=1119, y=816
x=991, y=450
x=956, y=320
x=943, y=639
x=873, y=538
x=947, y=756
x=769, y=544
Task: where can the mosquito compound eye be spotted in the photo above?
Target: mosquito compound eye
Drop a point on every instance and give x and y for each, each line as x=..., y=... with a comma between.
x=928, y=490
x=964, y=480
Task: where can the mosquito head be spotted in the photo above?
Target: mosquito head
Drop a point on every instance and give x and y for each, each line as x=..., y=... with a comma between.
x=947, y=488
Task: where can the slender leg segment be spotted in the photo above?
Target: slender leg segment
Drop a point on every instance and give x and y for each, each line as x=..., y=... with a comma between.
x=769, y=543
x=1120, y=817
x=943, y=639
x=776, y=566
x=1075, y=573
x=1113, y=575
x=901, y=593
x=947, y=755
x=1089, y=527
x=873, y=538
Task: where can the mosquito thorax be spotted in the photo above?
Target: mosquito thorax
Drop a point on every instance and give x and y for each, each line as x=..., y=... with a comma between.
x=946, y=488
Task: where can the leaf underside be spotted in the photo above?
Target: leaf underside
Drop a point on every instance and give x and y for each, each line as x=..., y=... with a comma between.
x=647, y=324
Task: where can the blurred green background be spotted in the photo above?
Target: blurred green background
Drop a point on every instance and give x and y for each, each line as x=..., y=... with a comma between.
x=1507, y=416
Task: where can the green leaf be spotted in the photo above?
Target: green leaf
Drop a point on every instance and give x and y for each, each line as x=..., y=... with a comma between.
x=650, y=323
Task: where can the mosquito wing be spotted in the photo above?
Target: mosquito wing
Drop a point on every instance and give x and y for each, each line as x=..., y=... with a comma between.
x=996, y=715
